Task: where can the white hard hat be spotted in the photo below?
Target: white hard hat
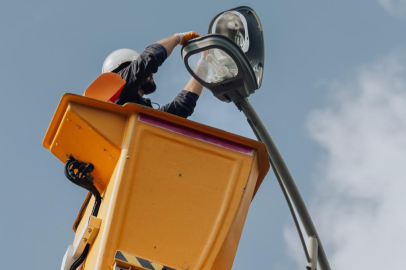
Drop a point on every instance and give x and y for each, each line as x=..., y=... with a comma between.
x=118, y=57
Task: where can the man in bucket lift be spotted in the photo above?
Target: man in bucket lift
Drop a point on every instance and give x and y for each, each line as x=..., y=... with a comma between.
x=137, y=69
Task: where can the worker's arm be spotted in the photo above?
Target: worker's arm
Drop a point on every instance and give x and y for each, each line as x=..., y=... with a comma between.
x=153, y=57
x=194, y=86
x=170, y=43
x=201, y=71
x=185, y=102
x=146, y=64
x=183, y=105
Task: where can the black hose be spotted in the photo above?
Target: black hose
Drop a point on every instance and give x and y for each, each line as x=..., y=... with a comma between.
x=79, y=173
x=81, y=258
x=82, y=211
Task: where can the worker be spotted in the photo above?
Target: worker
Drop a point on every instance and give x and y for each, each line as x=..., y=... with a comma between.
x=137, y=71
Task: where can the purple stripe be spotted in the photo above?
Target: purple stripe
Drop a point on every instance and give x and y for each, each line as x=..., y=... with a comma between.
x=195, y=134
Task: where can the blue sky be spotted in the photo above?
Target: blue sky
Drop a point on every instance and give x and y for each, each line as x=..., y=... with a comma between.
x=333, y=98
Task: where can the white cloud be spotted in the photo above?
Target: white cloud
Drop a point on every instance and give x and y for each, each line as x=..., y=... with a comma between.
x=396, y=8
x=361, y=178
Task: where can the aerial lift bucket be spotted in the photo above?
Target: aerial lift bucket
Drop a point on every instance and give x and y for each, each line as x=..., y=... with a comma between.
x=175, y=193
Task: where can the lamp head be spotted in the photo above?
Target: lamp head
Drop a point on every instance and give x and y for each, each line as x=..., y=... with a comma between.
x=233, y=51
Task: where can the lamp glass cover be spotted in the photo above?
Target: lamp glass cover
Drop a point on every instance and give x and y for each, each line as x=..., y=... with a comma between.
x=213, y=66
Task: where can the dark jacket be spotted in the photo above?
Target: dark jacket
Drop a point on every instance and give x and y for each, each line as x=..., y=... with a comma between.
x=140, y=70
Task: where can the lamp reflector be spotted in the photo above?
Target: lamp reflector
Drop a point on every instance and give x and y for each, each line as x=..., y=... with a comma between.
x=233, y=25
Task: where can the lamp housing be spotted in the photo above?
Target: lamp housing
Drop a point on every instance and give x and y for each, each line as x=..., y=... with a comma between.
x=234, y=52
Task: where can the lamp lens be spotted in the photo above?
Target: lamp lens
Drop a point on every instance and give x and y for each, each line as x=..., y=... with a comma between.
x=213, y=66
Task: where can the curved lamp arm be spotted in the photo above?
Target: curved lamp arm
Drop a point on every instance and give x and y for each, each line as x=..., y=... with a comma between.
x=286, y=182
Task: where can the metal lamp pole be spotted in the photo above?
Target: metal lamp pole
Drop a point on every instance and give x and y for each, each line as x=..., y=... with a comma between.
x=314, y=251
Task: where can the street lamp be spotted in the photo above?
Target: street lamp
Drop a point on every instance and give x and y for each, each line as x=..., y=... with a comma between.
x=234, y=54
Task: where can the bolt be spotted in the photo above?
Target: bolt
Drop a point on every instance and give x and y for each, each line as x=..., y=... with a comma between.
x=89, y=230
x=180, y=174
x=84, y=240
x=128, y=157
x=56, y=143
x=67, y=119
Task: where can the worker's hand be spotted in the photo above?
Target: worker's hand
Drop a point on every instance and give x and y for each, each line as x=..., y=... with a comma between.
x=185, y=37
x=204, y=54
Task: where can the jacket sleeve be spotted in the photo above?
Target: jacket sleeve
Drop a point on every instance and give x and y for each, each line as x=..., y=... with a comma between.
x=138, y=72
x=183, y=105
